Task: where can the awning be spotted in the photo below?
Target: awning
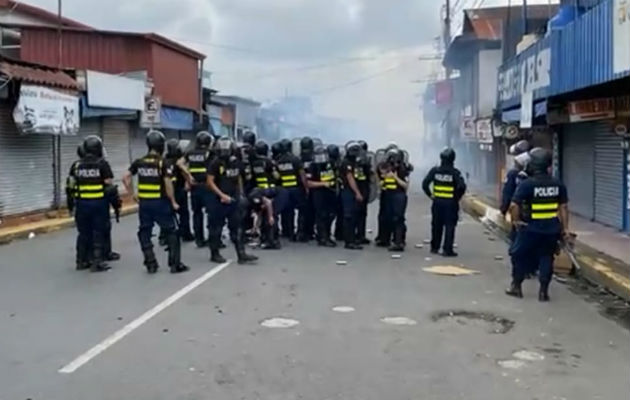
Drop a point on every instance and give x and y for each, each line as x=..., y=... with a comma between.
x=514, y=115
x=175, y=118
x=95, y=112
x=40, y=76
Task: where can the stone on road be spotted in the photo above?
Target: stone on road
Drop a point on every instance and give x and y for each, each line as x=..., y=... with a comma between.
x=451, y=338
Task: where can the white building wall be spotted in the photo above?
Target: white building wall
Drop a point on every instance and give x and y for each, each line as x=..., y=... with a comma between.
x=489, y=62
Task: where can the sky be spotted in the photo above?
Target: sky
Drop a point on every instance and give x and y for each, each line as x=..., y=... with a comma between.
x=358, y=59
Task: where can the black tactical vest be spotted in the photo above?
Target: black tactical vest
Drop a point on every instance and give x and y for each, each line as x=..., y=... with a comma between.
x=89, y=182
x=197, y=160
x=150, y=178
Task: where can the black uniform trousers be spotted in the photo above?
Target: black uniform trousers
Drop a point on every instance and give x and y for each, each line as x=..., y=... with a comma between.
x=199, y=199
x=364, y=188
x=91, y=219
x=444, y=217
x=295, y=200
x=306, y=218
x=218, y=213
x=350, y=215
x=396, y=207
x=325, y=202
x=533, y=249
x=160, y=212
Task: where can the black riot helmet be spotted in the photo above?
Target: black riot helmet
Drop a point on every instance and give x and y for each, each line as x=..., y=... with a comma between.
x=224, y=147
x=80, y=151
x=520, y=147
x=333, y=152
x=93, y=145
x=285, y=146
x=156, y=141
x=306, y=145
x=447, y=156
x=276, y=150
x=353, y=150
x=393, y=156
x=363, y=144
x=320, y=155
x=255, y=198
x=249, y=138
x=203, y=140
x=172, y=149
x=247, y=152
x=540, y=160
x=262, y=148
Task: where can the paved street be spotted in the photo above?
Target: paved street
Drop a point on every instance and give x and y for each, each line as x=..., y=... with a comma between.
x=209, y=343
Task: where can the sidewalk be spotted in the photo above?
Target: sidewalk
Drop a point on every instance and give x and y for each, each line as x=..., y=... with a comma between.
x=603, y=253
x=23, y=231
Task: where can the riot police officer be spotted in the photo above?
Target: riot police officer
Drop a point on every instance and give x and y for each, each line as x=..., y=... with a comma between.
x=263, y=169
x=510, y=183
x=323, y=185
x=334, y=157
x=249, y=138
x=293, y=180
x=445, y=185
x=268, y=204
x=224, y=180
x=306, y=216
x=197, y=160
x=276, y=151
x=182, y=180
x=395, y=183
x=351, y=197
x=91, y=174
x=540, y=211
x=157, y=203
x=363, y=175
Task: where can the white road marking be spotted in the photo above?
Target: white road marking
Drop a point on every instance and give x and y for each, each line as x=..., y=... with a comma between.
x=138, y=322
x=281, y=323
x=343, y=309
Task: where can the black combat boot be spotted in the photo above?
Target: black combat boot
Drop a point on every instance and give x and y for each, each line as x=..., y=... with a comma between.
x=174, y=254
x=515, y=290
x=112, y=256
x=543, y=293
x=150, y=262
x=99, y=266
x=216, y=257
x=398, y=240
x=243, y=257
x=82, y=266
x=449, y=253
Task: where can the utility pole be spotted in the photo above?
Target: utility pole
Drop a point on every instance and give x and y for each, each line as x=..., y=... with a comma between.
x=525, y=17
x=447, y=42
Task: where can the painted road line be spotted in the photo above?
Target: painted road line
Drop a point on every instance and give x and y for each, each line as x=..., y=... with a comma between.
x=138, y=322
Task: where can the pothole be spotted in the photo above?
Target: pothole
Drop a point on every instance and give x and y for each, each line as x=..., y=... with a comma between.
x=495, y=324
x=279, y=323
x=398, y=321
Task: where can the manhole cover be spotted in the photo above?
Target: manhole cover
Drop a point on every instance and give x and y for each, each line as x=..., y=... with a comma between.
x=495, y=324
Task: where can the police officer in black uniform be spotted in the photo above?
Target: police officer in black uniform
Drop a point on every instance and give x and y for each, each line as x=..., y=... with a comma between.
x=334, y=157
x=91, y=174
x=540, y=212
x=323, y=185
x=181, y=178
x=225, y=183
x=293, y=180
x=363, y=175
x=445, y=185
x=512, y=177
x=276, y=151
x=306, y=216
x=157, y=203
x=396, y=184
x=197, y=160
x=351, y=196
x=268, y=203
x=263, y=168
x=384, y=235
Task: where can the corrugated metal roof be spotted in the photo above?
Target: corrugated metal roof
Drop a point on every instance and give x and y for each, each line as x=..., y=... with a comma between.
x=582, y=52
x=42, y=76
x=40, y=13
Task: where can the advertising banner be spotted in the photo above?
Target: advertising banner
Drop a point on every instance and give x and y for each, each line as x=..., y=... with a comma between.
x=43, y=110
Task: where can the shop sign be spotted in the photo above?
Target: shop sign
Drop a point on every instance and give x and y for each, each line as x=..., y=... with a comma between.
x=484, y=130
x=43, y=110
x=621, y=36
x=591, y=110
x=150, y=117
x=622, y=105
x=529, y=74
x=467, y=129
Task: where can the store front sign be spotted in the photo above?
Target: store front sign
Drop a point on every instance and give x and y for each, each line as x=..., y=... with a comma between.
x=150, y=117
x=530, y=73
x=467, y=129
x=591, y=110
x=43, y=110
x=484, y=130
x=621, y=36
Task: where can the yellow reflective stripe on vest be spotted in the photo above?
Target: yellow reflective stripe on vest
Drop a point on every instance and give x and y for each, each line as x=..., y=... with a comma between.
x=444, y=188
x=99, y=195
x=263, y=185
x=262, y=179
x=91, y=187
x=544, y=206
x=289, y=177
x=443, y=195
x=548, y=215
x=148, y=186
x=199, y=170
x=149, y=195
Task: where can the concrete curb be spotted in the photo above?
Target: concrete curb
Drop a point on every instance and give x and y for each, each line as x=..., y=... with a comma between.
x=8, y=235
x=598, y=269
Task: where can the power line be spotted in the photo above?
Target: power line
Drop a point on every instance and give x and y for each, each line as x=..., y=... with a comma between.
x=356, y=81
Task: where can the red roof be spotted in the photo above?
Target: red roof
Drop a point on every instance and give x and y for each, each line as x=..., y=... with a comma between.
x=33, y=74
x=40, y=13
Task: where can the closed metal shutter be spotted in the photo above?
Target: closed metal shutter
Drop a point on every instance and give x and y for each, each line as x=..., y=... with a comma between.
x=116, y=138
x=26, y=173
x=138, y=144
x=578, y=159
x=68, y=148
x=609, y=182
